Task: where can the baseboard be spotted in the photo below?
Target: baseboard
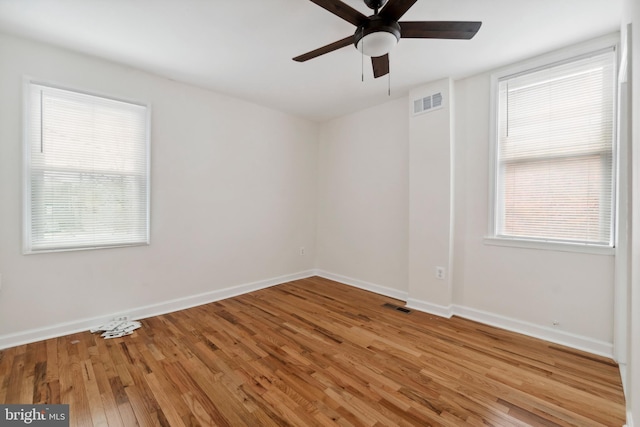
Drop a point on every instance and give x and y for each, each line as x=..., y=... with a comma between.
x=381, y=290
x=568, y=339
x=61, y=329
x=623, y=377
x=427, y=307
x=564, y=338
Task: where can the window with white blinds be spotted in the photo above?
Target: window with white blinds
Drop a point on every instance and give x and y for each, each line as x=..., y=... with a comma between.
x=555, y=174
x=87, y=177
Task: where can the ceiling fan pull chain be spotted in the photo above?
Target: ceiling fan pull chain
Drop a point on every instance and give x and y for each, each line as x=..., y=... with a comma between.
x=507, y=109
x=389, y=79
x=362, y=62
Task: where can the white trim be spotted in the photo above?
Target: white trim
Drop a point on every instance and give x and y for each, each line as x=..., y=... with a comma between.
x=549, y=246
x=623, y=69
x=427, y=307
x=452, y=190
x=493, y=158
x=66, y=328
x=26, y=166
x=378, y=289
x=623, y=377
x=30, y=79
x=514, y=325
x=560, y=55
x=568, y=339
x=629, y=419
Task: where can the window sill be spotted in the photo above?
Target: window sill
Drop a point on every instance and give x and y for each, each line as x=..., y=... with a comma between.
x=83, y=248
x=550, y=246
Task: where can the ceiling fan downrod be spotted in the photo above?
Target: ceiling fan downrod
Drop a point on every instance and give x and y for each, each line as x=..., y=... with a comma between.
x=375, y=4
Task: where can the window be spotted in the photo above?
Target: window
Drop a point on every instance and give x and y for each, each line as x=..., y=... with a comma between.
x=86, y=171
x=555, y=163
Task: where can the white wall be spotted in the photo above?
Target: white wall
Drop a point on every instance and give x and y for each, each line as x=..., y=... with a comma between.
x=364, y=215
x=528, y=285
x=430, y=200
x=237, y=189
x=363, y=196
x=233, y=197
x=632, y=15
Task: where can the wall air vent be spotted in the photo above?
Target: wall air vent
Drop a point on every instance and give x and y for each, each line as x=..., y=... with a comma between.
x=428, y=103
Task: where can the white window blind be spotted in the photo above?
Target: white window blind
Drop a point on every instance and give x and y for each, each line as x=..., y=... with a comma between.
x=86, y=171
x=555, y=156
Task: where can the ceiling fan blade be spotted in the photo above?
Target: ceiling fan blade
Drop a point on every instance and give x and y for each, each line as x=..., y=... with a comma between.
x=439, y=29
x=342, y=10
x=394, y=9
x=325, y=49
x=380, y=65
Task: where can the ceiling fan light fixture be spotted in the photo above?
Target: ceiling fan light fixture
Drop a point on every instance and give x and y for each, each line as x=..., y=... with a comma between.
x=377, y=44
x=377, y=37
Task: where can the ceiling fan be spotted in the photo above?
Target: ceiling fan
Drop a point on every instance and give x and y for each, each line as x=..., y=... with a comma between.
x=377, y=34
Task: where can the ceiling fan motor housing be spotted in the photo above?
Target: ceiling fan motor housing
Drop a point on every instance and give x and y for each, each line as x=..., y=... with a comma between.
x=376, y=36
x=375, y=4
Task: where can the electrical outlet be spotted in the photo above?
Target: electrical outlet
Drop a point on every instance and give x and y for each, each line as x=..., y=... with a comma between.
x=121, y=318
x=440, y=273
x=301, y=250
x=556, y=323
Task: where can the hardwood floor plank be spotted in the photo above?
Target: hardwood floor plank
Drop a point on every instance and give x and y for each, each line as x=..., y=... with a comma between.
x=14, y=379
x=194, y=396
x=164, y=401
x=314, y=353
x=143, y=416
x=101, y=372
x=98, y=414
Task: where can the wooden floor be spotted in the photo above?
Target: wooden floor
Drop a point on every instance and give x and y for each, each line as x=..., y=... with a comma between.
x=313, y=352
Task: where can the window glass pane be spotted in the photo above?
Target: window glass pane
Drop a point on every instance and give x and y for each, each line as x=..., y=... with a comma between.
x=555, y=164
x=558, y=198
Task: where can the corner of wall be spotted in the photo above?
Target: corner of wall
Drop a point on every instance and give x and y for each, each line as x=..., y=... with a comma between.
x=431, y=193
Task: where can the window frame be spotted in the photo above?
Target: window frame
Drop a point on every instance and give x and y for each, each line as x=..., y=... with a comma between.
x=27, y=81
x=561, y=56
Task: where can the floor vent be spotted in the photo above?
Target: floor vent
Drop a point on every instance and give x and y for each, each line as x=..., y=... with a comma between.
x=396, y=307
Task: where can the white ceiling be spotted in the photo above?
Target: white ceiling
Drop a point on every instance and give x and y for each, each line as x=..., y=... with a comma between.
x=244, y=47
